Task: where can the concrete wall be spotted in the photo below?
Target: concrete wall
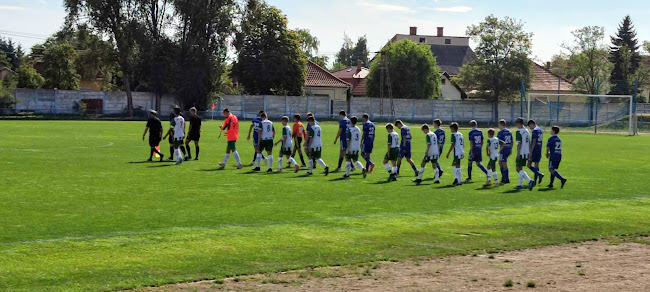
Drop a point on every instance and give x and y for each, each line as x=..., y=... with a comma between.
x=334, y=93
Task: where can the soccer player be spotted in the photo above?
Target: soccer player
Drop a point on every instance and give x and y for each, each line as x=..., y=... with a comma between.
x=315, y=145
x=405, y=147
x=344, y=123
x=172, y=150
x=393, y=152
x=537, y=137
x=492, y=151
x=255, y=128
x=458, y=146
x=523, y=151
x=266, y=136
x=155, y=129
x=307, y=138
x=298, y=134
x=431, y=155
x=368, y=141
x=505, y=137
x=554, y=155
x=194, y=134
x=354, y=146
x=475, y=150
x=287, y=144
x=231, y=125
x=440, y=133
x=177, y=130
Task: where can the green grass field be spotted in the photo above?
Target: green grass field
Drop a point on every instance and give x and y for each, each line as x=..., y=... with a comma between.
x=80, y=210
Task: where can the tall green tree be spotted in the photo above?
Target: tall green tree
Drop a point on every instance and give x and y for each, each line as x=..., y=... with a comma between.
x=588, y=54
x=414, y=72
x=309, y=46
x=351, y=52
x=624, y=54
x=60, y=71
x=502, y=51
x=10, y=50
x=27, y=77
x=203, y=30
x=269, y=57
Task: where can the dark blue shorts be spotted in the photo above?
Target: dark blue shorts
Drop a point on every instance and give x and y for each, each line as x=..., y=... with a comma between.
x=344, y=145
x=405, y=152
x=477, y=155
x=255, y=142
x=536, y=156
x=367, y=147
x=554, y=164
x=503, y=157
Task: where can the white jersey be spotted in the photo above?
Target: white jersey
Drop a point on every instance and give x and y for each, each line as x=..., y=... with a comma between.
x=432, y=140
x=354, y=139
x=179, y=127
x=523, y=138
x=315, y=137
x=267, y=130
x=493, y=145
x=459, y=144
x=393, y=139
x=287, y=142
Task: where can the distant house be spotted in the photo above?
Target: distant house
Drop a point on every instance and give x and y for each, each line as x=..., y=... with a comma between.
x=451, y=90
x=451, y=52
x=544, y=81
x=356, y=76
x=320, y=82
x=5, y=72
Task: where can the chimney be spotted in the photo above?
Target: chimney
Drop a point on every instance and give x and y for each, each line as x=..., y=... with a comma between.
x=359, y=65
x=548, y=65
x=414, y=30
x=441, y=31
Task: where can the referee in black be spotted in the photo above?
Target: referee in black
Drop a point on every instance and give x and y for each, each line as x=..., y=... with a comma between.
x=155, y=129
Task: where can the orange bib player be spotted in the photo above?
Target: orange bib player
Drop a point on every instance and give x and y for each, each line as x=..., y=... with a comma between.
x=298, y=134
x=231, y=126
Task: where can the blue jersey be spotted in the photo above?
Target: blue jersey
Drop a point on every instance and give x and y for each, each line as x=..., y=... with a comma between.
x=476, y=136
x=506, y=138
x=368, y=132
x=257, y=125
x=538, y=135
x=555, y=146
x=309, y=127
x=440, y=133
x=344, y=124
x=406, y=137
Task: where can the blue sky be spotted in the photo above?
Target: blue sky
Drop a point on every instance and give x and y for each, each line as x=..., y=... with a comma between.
x=551, y=21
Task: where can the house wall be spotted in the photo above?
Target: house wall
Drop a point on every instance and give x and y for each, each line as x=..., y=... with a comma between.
x=449, y=91
x=4, y=74
x=434, y=40
x=337, y=94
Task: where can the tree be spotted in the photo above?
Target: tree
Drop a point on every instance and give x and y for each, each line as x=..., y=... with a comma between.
x=309, y=46
x=203, y=31
x=117, y=19
x=6, y=96
x=351, y=52
x=413, y=71
x=625, y=57
x=27, y=77
x=60, y=69
x=5, y=60
x=8, y=49
x=560, y=66
x=502, y=51
x=588, y=57
x=269, y=57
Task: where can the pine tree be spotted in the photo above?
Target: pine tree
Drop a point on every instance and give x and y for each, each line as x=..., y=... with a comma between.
x=624, y=54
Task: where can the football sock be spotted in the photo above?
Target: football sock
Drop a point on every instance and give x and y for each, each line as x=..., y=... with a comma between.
x=395, y=170
x=437, y=174
x=340, y=162
x=453, y=170
x=469, y=171
x=236, y=154
x=270, y=161
x=347, y=168
x=558, y=175
x=197, y=152
x=182, y=149
x=552, y=177
x=483, y=168
x=311, y=165
x=387, y=166
x=495, y=176
x=489, y=174
x=178, y=155
x=225, y=158
x=359, y=164
x=189, y=153
x=321, y=162
x=415, y=168
x=151, y=152
x=368, y=162
x=254, y=156
x=280, y=163
x=302, y=160
x=459, y=171
x=293, y=161
x=421, y=173
x=439, y=168
x=172, y=152
x=258, y=160
x=399, y=166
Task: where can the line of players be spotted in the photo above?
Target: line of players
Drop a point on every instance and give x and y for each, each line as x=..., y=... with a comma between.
x=354, y=142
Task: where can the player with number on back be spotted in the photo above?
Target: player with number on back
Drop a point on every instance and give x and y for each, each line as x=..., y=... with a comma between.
x=523, y=151
x=492, y=151
x=505, y=136
x=194, y=134
x=458, y=146
x=354, y=146
x=287, y=144
x=405, y=147
x=231, y=125
x=537, y=137
x=298, y=134
x=315, y=145
x=177, y=130
x=255, y=127
x=431, y=155
x=344, y=123
x=368, y=141
x=266, y=136
x=392, y=153
x=475, y=150
x=440, y=133
x=554, y=155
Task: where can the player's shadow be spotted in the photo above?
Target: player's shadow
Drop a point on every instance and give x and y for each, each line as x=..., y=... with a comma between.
x=155, y=161
x=160, y=165
x=340, y=179
x=486, y=188
x=382, y=182
x=212, y=169
x=546, y=189
x=513, y=191
x=302, y=176
x=447, y=187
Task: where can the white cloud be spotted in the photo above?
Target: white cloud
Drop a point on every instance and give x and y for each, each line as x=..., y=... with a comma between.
x=456, y=9
x=383, y=7
x=12, y=8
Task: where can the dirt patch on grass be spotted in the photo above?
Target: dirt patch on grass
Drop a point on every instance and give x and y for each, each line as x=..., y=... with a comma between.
x=606, y=265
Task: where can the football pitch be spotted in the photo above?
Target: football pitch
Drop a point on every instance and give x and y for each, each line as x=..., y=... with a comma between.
x=81, y=210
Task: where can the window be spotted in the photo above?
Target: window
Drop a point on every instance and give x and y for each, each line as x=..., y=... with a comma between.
x=447, y=41
x=423, y=40
x=443, y=81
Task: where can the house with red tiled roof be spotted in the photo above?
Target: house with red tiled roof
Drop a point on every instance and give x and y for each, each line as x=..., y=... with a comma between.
x=356, y=76
x=320, y=82
x=543, y=81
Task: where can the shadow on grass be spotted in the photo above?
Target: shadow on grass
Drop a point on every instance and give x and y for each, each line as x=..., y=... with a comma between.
x=340, y=179
x=161, y=165
x=446, y=187
x=213, y=169
x=155, y=161
x=382, y=182
x=514, y=191
x=546, y=189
